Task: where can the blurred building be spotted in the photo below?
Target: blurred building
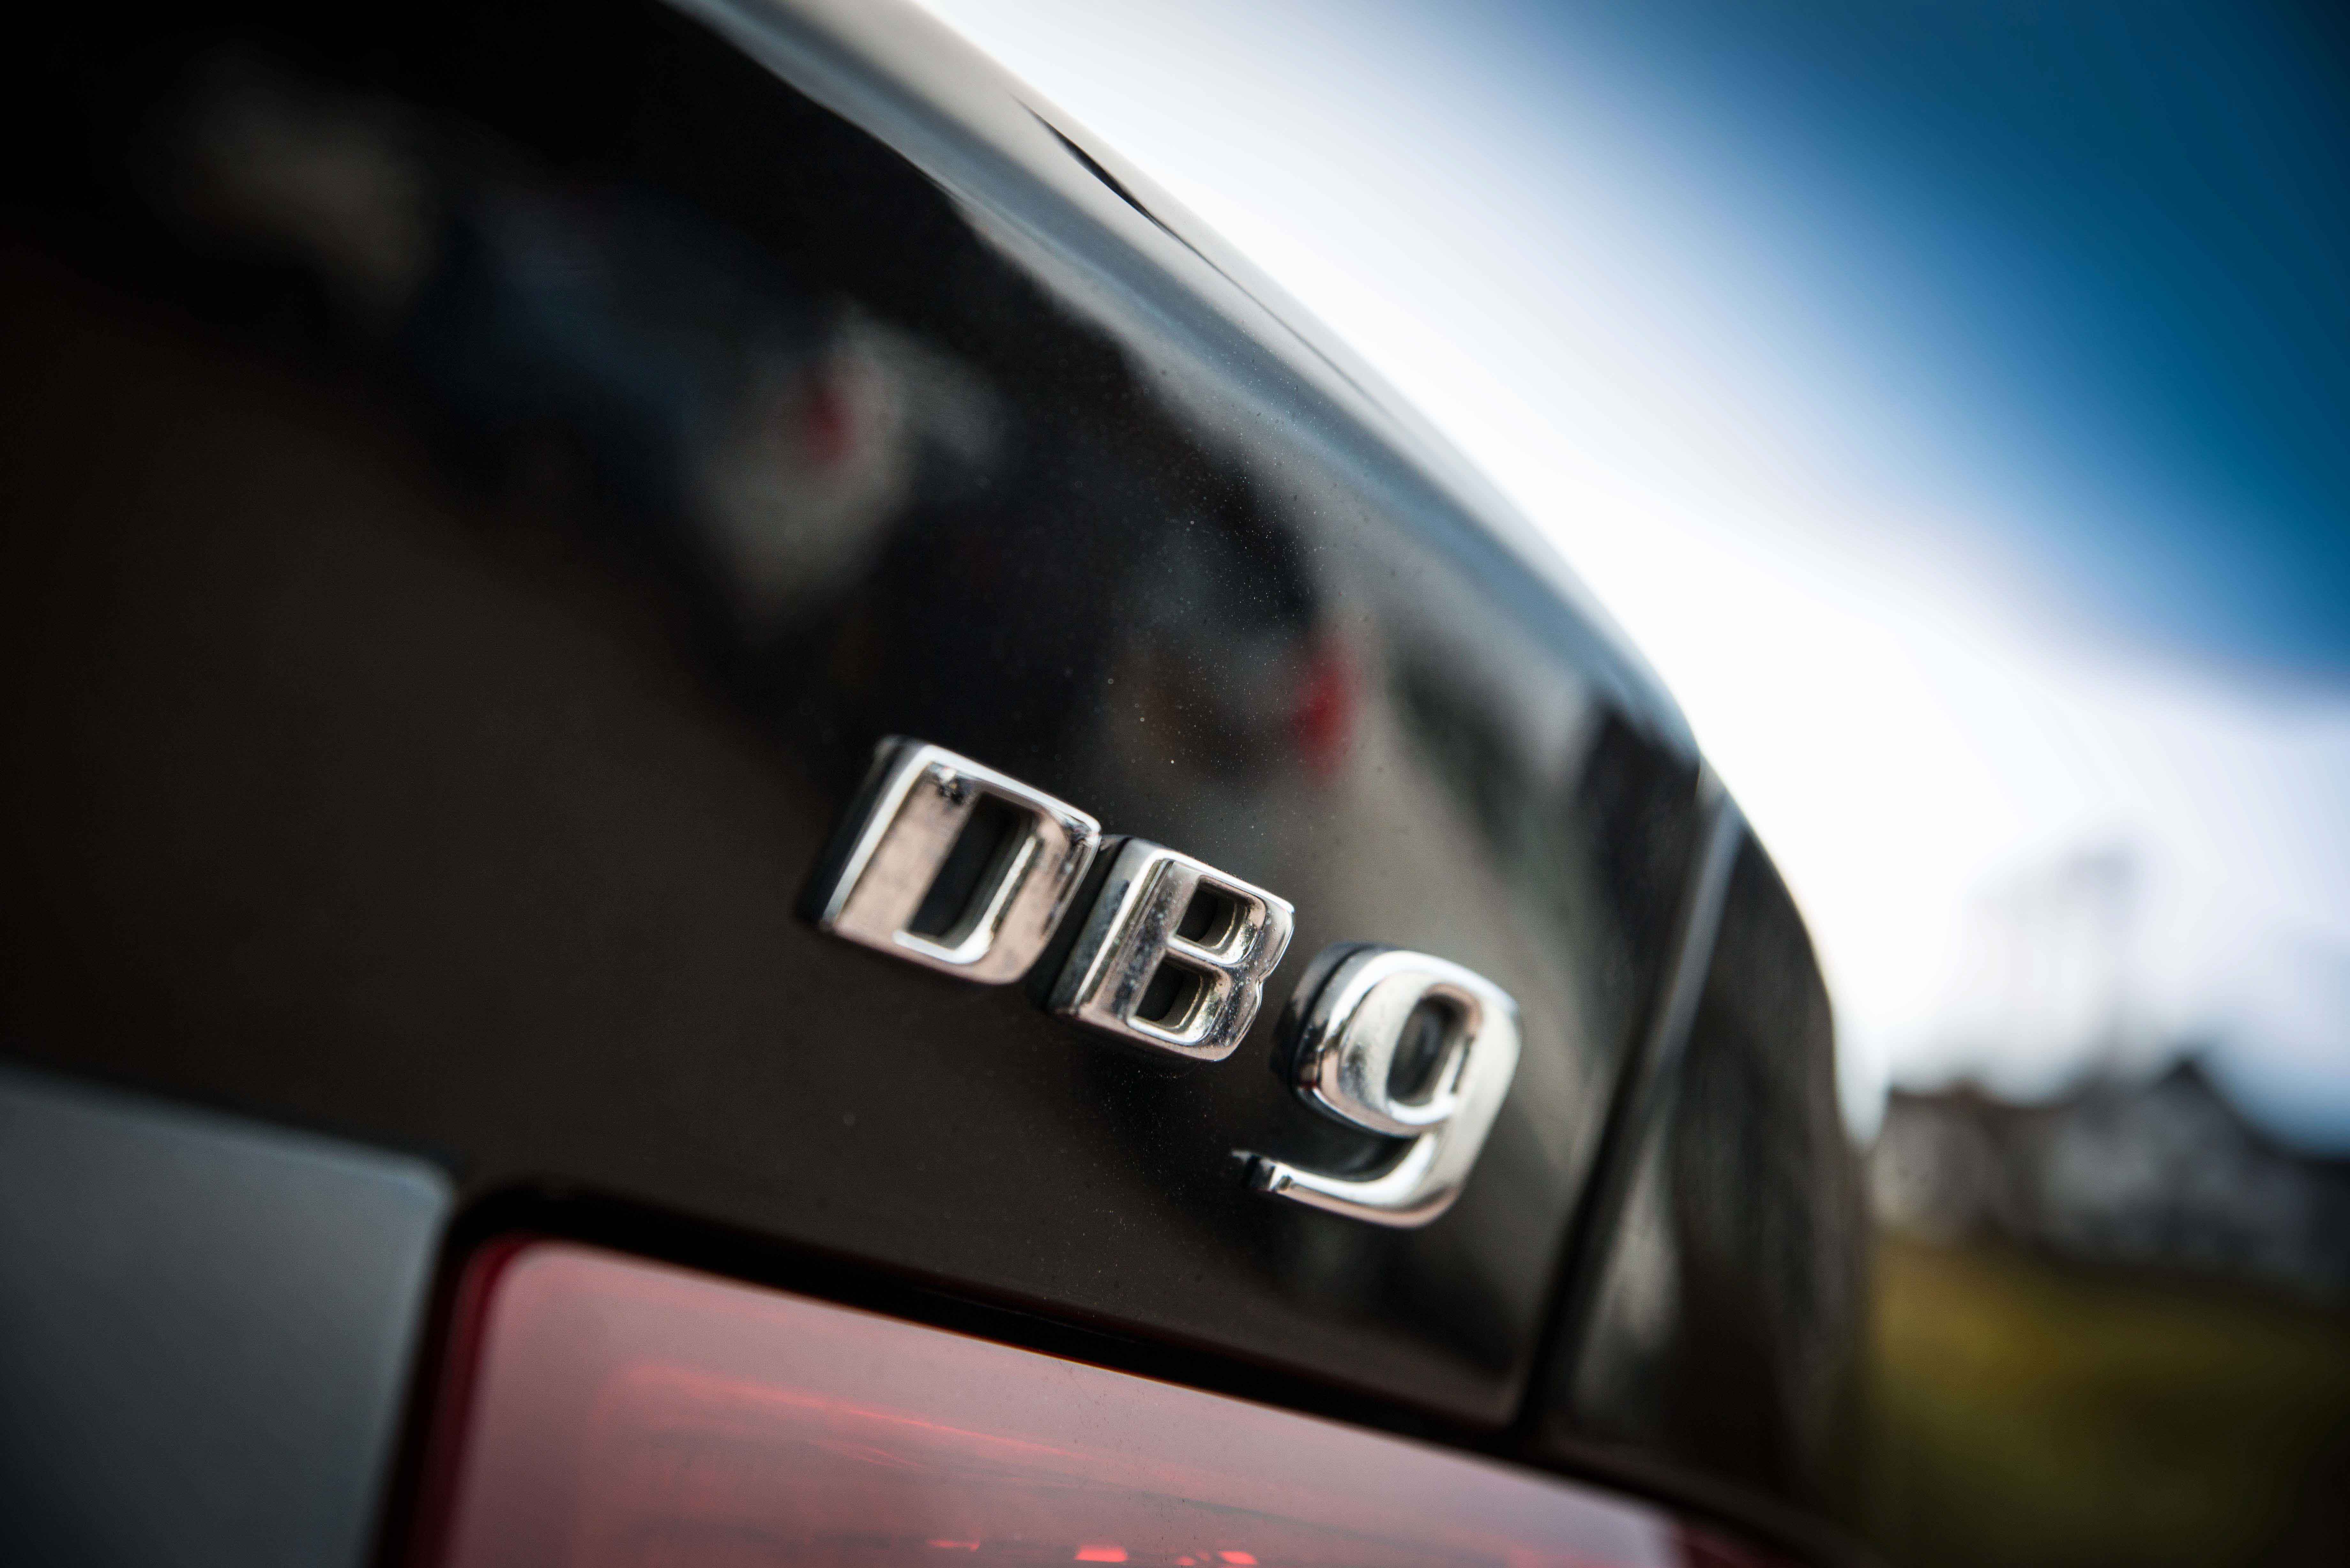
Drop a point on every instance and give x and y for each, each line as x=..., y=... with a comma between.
x=2163, y=1172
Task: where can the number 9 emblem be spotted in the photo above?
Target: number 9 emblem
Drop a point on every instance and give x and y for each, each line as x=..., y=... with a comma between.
x=1405, y=1046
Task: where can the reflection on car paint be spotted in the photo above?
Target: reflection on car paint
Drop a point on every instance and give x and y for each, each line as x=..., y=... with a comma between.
x=629, y=445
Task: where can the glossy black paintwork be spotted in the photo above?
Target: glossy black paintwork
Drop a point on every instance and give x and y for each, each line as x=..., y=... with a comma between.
x=1719, y=1329
x=480, y=483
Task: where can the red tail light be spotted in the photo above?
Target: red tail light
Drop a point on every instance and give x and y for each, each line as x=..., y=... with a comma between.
x=609, y=1413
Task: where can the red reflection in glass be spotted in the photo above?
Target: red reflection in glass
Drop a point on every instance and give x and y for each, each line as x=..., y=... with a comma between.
x=607, y=1413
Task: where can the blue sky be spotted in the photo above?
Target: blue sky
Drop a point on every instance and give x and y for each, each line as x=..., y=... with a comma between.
x=1946, y=397
x=2107, y=242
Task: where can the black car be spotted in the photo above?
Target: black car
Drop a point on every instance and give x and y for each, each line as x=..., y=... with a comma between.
x=750, y=820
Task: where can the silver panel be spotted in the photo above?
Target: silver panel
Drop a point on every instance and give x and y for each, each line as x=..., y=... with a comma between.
x=205, y=1331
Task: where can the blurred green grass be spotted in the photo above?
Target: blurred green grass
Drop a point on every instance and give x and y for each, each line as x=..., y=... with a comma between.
x=2029, y=1413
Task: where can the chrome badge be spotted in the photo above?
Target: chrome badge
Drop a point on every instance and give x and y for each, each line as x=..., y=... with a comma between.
x=925, y=874
x=962, y=869
x=1174, y=954
x=1405, y=1046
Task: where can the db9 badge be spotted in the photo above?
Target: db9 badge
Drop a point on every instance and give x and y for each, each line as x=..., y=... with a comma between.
x=948, y=864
